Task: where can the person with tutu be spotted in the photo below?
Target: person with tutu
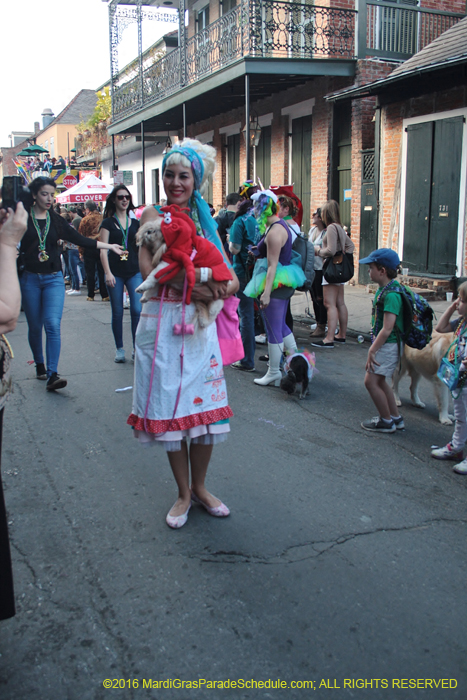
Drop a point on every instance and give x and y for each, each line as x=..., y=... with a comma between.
x=179, y=386
x=274, y=280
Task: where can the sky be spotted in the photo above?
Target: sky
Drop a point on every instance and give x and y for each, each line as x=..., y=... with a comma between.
x=51, y=50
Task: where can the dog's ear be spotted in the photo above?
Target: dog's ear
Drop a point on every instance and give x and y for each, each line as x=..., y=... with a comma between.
x=146, y=230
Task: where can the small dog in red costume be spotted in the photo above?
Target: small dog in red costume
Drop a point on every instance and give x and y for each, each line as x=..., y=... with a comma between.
x=175, y=245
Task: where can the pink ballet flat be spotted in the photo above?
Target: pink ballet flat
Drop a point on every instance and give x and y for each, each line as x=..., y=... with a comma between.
x=218, y=512
x=176, y=521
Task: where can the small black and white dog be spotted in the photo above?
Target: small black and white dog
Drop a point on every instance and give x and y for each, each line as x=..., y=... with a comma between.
x=298, y=370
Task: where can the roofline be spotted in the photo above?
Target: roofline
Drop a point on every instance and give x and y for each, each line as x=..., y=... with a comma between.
x=378, y=86
x=55, y=121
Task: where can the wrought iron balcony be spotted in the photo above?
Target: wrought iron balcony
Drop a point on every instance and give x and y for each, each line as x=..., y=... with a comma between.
x=280, y=29
x=255, y=28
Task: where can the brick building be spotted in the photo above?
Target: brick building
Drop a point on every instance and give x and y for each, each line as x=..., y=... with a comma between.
x=421, y=159
x=271, y=63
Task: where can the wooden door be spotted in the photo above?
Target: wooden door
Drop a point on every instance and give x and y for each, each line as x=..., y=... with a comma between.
x=445, y=184
x=432, y=196
x=233, y=163
x=418, y=196
x=263, y=157
x=301, y=165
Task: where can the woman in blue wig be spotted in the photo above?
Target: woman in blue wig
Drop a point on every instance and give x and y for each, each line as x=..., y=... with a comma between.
x=171, y=404
x=274, y=280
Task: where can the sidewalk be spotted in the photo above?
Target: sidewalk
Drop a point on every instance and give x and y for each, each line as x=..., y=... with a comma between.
x=358, y=302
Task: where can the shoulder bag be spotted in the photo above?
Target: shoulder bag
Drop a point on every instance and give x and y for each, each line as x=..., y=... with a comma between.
x=340, y=267
x=228, y=332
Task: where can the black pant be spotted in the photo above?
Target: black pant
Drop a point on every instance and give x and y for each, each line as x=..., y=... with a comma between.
x=289, y=317
x=7, y=598
x=91, y=259
x=321, y=315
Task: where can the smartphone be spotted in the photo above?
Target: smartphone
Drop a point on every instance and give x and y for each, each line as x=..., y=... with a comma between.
x=253, y=250
x=14, y=191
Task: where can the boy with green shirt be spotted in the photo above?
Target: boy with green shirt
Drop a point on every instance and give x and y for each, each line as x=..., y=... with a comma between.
x=384, y=353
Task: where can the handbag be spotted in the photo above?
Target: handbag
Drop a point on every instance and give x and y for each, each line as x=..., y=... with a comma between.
x=449, y=372
x=228, y=332
x=340, y=267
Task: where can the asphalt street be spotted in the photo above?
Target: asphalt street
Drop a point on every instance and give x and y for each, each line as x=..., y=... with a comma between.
x=343, y=560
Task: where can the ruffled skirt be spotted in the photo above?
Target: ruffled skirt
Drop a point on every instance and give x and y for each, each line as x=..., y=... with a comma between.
x=202, y=412
x=286, y=276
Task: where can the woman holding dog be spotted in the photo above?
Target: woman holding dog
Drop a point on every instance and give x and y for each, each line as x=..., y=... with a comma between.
x=121, y=270
x=335, y=239
x=171, y=405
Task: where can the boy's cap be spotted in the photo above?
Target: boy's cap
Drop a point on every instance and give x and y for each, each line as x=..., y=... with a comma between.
x=383, y=256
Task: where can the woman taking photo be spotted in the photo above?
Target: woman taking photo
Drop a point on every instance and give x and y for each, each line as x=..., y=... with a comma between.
x=42, y=283
x=170, y=406
x=335, y=240
x=121, y=270
x=279, y=281
x=12, y=227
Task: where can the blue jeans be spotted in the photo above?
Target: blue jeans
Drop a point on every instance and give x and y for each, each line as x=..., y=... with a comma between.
x=73, y=262
x=43, y=299
x=246, y=312
x=116, y=302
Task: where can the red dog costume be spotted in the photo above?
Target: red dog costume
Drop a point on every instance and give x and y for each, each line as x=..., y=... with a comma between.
x=180, y=236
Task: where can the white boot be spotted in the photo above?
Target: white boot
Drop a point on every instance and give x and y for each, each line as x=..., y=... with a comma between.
x=273, y=374
x=290, y=344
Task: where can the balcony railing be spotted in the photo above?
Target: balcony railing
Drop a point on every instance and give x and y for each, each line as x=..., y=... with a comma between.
x=399, y=30
x=255, y=28
x=281, y=29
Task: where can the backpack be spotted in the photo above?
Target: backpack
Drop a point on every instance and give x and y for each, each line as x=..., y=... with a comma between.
x=306, y=250
x=304, y=256
x=417, y=317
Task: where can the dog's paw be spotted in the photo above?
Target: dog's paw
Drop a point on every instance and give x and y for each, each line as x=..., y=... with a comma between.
x=215, y=307
x=418, y=404
x=398, y=401
x=446, y=420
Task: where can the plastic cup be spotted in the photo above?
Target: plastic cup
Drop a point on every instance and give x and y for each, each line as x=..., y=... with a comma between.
x=448, y=296
x=405, y=271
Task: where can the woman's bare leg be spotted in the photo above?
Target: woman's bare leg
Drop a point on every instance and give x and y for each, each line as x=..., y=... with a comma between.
x=200, y=456
x=342, y=312
x=330, y=292
x=179, y=463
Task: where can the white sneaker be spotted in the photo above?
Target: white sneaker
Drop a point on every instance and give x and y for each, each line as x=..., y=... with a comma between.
x=261, y=339
x=74, y=292
x=461, y=468
x=446, y=452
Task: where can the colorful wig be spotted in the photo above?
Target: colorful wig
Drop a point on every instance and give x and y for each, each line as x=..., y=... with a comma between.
x=265, y=206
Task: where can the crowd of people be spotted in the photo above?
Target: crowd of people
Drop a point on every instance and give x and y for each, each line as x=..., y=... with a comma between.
x=47, y=164
x=180, y=396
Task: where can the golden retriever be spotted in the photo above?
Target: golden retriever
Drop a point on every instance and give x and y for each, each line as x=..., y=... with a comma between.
x=425, y=363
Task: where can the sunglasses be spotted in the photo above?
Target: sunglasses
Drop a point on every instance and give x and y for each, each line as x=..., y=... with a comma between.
x=120, y=197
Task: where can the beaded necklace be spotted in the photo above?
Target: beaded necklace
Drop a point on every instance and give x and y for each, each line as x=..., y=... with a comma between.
x=374, y=316
x=43, y=257
x=124, y=255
